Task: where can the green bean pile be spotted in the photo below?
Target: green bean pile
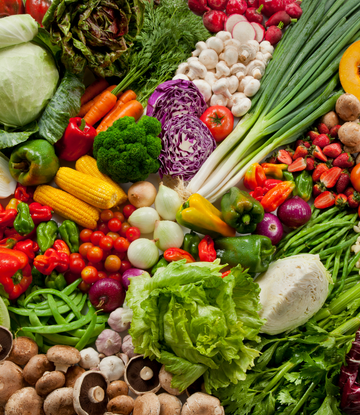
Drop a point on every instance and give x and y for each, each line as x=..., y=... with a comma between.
x=60, y=319
x=329, y=234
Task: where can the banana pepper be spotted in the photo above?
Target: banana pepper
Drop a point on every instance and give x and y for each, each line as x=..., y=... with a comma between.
x=277, y=195
x=199, y=215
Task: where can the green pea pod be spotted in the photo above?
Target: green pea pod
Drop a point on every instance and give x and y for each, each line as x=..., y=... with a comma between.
x=289, y=177
x=160, y=264
x=191, y=244
x=69, y=232
x=46, y=234
x=23, y=222
x=304, y=185
x=55, y=281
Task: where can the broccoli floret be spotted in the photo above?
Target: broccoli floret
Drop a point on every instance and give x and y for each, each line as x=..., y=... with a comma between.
x=127, y=151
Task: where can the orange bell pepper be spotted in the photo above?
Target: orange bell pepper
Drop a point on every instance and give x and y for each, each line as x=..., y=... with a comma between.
x=254, y=177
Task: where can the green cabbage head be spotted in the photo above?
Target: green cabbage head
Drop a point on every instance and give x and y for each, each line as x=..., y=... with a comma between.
x=28, y=80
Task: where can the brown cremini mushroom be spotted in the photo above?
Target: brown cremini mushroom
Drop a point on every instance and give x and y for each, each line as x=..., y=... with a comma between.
x=165, y=382
x=348, y=107
x=122, y=404
x=25, y=401
x=89, y=393
x=117, y=388
x=63, y=357
x=169, y=404
x=349, y=135
x=330, y=119
x=142, y=375
x=11, y=380
x=72, y=374
x=49, y=382
x=2, y=410
x=202, y=404
x=147, y=404
x=60, y=402
x=36, y=367
x=23, y=350
x=6, y=343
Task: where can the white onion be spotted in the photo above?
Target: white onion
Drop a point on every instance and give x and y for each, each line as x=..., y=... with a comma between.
x=144, y=218
x=143, y=253
x=142, y=194
x=7, y=183
x=167, y=202
x=168, y=235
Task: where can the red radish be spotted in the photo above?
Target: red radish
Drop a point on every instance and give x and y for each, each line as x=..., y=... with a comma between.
x=243, y=32
x=217, y=4
x=259, y=30
x=253, y=3
x=272, y=6
x=293, y=10
x=278, y=17
x=198, y=7
x=214, y=20
x=274, y=34
x=236, y=7
x=107, y=294
x=254, y=15
x=232, y=20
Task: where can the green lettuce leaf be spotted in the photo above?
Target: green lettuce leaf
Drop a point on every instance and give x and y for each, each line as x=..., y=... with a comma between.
x=9, y=137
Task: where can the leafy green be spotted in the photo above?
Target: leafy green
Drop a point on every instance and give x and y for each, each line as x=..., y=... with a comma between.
x=64, y=105
x=17, y=29
x=196, y=323
x=9, y=137
x=43, y=39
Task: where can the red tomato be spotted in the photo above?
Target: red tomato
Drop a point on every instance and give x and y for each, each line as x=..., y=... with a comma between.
x=219, y=121
x=84, y=248
x=89, y=275
x=121, y=244
x=76, y=264
x=115, y=276
x=125, y=265
x=106, y=243
x=124, y=227
x=84, y=287
x=10, y=7
x=128, y=210
x=70, y=277
x=95, y=254
x=112, y=263
x=96, y=237
x=355, y=177
x=37, y=9
x=102, y=274
x=106, y=215
x=85, y=235
x=113, y=235
x=114, y=225
x=133, y=233
x=102, y=227
x=120, y=216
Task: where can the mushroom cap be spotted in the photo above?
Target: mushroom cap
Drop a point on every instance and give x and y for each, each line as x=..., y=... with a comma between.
x=23, y=350
x=117, y=388
x=133, y=379
x=6, y=343
x=49, y=382
x=25, y=401
x=63, y=356
x=202, y=404
x=349, y=135
x=169, y=404
x=90, y=383
x=60, y=402
x=122, y=404
x=147, y=404
x=348, y=107
x=36, y=367
x=11, y=380
x=73, y=373
x=165, y=381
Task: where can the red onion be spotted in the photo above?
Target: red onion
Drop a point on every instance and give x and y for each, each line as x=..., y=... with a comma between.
x=132, y=272
x=294, y=212
x=271, y=227
x=107, y=294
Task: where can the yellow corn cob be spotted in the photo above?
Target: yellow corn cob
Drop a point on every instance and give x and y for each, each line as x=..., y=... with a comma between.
x=67, y=206
x=90, y=189
x=88, y=165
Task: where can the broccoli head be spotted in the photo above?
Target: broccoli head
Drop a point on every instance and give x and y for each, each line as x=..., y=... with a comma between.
x=128, y=151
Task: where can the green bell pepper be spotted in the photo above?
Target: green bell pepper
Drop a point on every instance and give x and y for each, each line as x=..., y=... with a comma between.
x=55, y=281
x=162, y=263
x=70, y=233
x=241, y=211
x=191, y=244
x=289, y=177
x=33, y=163
x=304, y=185
x=46, y=234
x=254, y=252
x=23, y=223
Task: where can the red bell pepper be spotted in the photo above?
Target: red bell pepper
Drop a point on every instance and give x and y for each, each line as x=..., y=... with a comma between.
x=1, y=208
x=274, y=170
x=24, y=194
x=175, y=254
x=64, y=255
x=8, y=244
x=207, y=251
x=7, y=218
x=28, y=247
x=276, y=196
x=258, y=193
x=61, y=247
x=40, y=213
x=254, y=177
x=270, y=184
x=77, y=140
x=13, y=234
x=48, y=262
x=15, y=272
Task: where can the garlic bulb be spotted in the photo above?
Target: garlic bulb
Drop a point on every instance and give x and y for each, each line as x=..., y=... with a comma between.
x=167, y=202
x=7, y=183
x=168, y=234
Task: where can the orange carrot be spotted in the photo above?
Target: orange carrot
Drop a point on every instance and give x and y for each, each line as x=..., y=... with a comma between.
x=126, y=97
x=100, y=108
x=94, y=89
x=86, y=107
x=130, y=109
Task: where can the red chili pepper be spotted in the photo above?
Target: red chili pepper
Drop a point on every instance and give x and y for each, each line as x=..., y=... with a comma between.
x=48, y=262
x=254, y=177
x=24, y=194
x=28, y=247
x=7, y=218
x=276, y=196
x=225, y=274
x=207, y=251
x=175, y=254
x=270, y=184
x=40, y=213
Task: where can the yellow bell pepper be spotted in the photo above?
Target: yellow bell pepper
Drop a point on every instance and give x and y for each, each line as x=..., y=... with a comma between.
x=13, y=203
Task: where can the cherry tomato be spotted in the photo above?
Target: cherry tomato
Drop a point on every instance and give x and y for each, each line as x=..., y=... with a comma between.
x=128, y=210
x=106, y=243
x=85, y=235
x=106, y=215
x=84, y=287
x=115, y=276
x=76, y=264
x=121, y=244
x=96, y=237
x=103, y=227
x=84, y=248
x=125, y=265
x=120, y=216
x=97, y=265
x=355, y=177
x=95, y=254
x=75, y=256
x=114, y=225
x=102, y=274
x=124, y=227
x=112, y=263
x=89, y=275
x=219, y=121
x=133, y=233
x=113, y=235
x=70, y=277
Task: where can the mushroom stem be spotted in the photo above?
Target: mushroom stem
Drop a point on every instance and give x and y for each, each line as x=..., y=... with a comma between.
x=96, y=394
x=146, y=373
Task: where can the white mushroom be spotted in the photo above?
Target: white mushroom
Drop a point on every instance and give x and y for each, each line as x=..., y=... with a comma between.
x=89, y=358
x=216, y=44
x=239, y=70
x=182, y=69
x=204, y=88
x=231, y=55
x=181, y=76
x=244, y=82
x=247, y=52
x=233, y=83
x=200, y=46
x=252, y=87
x=218, y=100
x=192, y=59
x=234, y=43
x=235, y=97
x=241, y=104
x=222, y=70
x=263, y=57
x=222, y=87
x=201, y=403
x=256, y=69
x=197, y=70
x=209, y=58
x=210, y=77
x=223, y=35
x=266, y=46
x=113, y=367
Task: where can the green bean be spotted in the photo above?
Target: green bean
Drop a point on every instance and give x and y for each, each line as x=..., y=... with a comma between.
x=57, y=316
x=330, y=240
x=88, y=332
x=45, y=304
x=329, y=260
x=338, y=247
x=71, y=315
x=102, y=318
x=335, y=270
x=353, y=261
x=80, y=332
x=34, y=320
x=60, y=339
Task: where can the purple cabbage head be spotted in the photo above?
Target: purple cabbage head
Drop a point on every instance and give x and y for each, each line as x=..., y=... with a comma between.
x=173, y=98
x=186, y=144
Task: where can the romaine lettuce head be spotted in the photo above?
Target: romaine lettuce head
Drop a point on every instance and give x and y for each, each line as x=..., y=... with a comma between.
x=28, y=80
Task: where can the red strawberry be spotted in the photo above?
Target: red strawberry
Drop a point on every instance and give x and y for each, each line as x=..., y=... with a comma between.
x=302, y=143
x=301, y=151
x=316, y=151
x=323, y=129
x=340, y=201
x=283, y=156
x=310, y=163
x=335, y=131
x=349, y=191
x=354, y=200
x=272, y=159
x=343, y=182
x=319, y=170
x=344, y=161
x=330, y=177
x=312, y=135
x=318, y=189
x=321, y=140
x=298, y=165
x=332, y=150
x=324, y=200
